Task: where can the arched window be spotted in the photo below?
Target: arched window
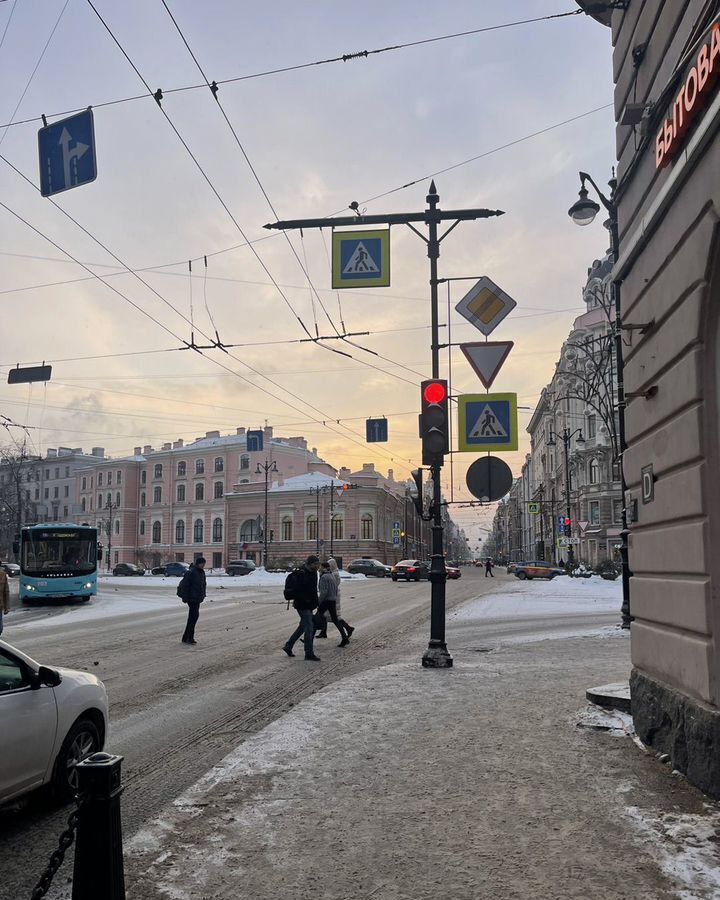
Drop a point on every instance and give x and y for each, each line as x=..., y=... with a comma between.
x=82, y=504
x=311, y=528
x=142, y=526
x=100, y=479
x=108, y=499
x=248, y=531
x=156, y=532
x=219, y=464
x=180, y=532
x=286, y=528
x=142, y=499
x=157, y=471
x=182, y=469
x=198, y=531
x=593, y=472
x=143, y=476
x=217, y=530
x=109, y=474
x=366, y=527
x=199, y=466
x=117, y=526
x=200, y=491
x=181, y=493
x=117, y=499
x=157, y=494
x=337, y=528
x=218, y=490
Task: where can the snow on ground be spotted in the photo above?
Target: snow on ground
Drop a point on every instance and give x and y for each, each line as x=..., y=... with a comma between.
x=258, y=578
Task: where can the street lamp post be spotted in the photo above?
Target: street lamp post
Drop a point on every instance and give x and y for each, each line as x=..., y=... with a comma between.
x=265, y=467
x=109, y=506
x=566, y=437
x=583, y=212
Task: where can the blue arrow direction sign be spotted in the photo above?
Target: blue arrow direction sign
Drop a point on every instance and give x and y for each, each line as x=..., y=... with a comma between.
x=376, y=431
x=361, y=258
x=254, y=441
x=66, y=151
x=487, y=422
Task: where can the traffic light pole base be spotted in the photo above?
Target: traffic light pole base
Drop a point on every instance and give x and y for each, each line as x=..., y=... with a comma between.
x=437, y=657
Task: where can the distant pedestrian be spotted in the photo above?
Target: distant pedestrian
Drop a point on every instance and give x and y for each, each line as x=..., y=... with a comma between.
x=193, y=587
x=489, y=568
x=301, y=587
x=4, y=596
x=328, y=601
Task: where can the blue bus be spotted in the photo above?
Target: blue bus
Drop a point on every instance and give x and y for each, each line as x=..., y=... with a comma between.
x=58, y=560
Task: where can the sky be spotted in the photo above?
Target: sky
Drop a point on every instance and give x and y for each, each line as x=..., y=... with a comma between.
x=309, y=141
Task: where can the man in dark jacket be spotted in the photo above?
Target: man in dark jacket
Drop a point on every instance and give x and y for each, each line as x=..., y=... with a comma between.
x=305, y=600
x=193, y=595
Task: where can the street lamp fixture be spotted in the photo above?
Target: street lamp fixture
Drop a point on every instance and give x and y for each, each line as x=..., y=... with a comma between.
x=584, y=210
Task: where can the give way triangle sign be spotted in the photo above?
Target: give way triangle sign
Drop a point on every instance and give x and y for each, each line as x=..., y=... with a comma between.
x=486, y=358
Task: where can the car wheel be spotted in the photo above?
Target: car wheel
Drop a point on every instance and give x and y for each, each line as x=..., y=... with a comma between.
x=81, y=741
x=521, y=575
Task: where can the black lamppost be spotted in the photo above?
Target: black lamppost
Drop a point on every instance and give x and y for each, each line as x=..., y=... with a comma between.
x=583, y=212
x=566, y=437
x=109, y=506
x=265, y=467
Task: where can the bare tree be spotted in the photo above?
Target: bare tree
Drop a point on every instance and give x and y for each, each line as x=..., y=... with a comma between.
x=16, y=509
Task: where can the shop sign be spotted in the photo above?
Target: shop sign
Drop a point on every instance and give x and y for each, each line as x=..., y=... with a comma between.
x=691, y=99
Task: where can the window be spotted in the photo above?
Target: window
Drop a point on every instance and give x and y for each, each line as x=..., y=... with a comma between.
x=594, y=512
x=84, y=483
x=66, y=491
x=100, y=479
x=117, y=526
x=117, y=557
x=180, y=532
x=117, y=499
x=591, y=426
x=57, y=472
x=55, y=514
x=47, y=474
x=37, y=493
x=157, y=471
x=142, y=499
x=182, y=469
x=109, y=481
x=311, y=528
x=65, y=512
x=143, y=476
x=218, y=490
x=27, y=496
x=593, y=471
x=217, y=530
x=617, y=507
x=198, y=531
x=156, y=532
x=109, y=499
x=82, y=505
x=286, y=528
x=218, y=464
x=337, y=528
x=12, y=677
x=199, y=466
x=216, y=560
x=616, y=470
x=56, y=492
x=244, y=462
x=67, y=471
x=181, y=493
x=248, y=531
x=118, y=477
x=200, y=491
x=142, y=527
x=366, y=527
x=157, y=494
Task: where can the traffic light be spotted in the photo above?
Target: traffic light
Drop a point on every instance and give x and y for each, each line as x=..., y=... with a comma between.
x=566, y=522
x=434, y=425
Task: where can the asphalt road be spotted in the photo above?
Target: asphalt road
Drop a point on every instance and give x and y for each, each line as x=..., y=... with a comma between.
x=177, y=710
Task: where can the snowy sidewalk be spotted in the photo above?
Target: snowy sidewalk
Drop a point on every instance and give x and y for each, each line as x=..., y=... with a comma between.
x=475, y=782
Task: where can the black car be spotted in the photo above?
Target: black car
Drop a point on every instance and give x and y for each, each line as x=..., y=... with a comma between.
x=12, y=570
x=240, y=567
x=173, y=568
x=410, y=570
x=128, y=569
x=369, y=567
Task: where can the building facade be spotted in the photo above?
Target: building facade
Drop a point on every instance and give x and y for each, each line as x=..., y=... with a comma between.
x=666, y=63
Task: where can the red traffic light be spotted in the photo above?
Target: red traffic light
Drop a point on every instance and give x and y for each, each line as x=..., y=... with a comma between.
x=567, y=521
x=435, y=392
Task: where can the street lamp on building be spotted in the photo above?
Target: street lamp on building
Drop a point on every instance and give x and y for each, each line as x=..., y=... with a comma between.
x=583, y=212
x=265, y=467
x=566, y=437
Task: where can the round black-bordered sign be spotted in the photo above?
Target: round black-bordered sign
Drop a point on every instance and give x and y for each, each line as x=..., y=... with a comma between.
x=489, y=478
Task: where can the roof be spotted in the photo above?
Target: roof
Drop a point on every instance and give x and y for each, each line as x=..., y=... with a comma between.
x=306, y=481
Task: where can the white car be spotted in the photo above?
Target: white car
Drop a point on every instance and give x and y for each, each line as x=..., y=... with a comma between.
x=51, y=719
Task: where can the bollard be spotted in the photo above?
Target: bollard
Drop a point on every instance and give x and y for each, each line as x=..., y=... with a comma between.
x=98, y=871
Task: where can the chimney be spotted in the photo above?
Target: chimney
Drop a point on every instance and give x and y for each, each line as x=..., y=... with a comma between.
x=64, y=451
x=240, y=431
x=368, y=467
x=76, y=450
x=98, y=451
x=212, y=434
x=147, y=449
x=167, y=446
x=391, y=475
x=344, y=473
x=137, y=451
x=51, y=453
x=268, y=432
x=314, y=451
x=177, y=444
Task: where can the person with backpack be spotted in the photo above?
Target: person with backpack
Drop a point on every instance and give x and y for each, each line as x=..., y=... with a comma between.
x=192, y=591
x=301, y=588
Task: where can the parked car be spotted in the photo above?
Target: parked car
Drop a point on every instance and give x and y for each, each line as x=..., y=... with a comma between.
x=369, y=567
x=12, y=570
x=410, y=570
x=511, y=568
x=52, y=719
x=240, y=567
x=173, y=568
x=128, y=569
x=537, y=569
x=453, y=571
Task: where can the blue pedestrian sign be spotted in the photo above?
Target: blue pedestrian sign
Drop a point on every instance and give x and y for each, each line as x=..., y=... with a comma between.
x=376, y=431
x=487, y=422
x=361, y=258
x=254, y=441
x=66, y=151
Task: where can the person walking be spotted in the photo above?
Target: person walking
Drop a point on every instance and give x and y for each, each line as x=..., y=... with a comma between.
x=489, y=568
x=4, y=596
x=328, y=601
x=301, y=586
x=335, y=572
x=194, y=590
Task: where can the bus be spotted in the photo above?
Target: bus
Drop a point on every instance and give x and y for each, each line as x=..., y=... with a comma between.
x=58, y=560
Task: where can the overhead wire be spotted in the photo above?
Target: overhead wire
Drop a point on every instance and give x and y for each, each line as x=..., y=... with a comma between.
x=7, y=24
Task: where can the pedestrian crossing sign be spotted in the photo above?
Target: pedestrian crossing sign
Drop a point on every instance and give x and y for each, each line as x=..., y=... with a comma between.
x=487, y=422
x=361, y=258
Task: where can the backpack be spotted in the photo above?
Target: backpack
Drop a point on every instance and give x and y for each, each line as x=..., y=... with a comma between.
x=292, y=582
x=182, y=588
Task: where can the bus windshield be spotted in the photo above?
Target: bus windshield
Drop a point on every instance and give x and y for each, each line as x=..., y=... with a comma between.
x=58, y=552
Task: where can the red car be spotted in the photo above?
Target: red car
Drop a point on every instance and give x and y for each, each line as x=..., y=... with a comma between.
x=453, y=572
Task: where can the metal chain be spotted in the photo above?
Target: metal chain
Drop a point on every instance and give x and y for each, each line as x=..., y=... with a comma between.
x=58, y=856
